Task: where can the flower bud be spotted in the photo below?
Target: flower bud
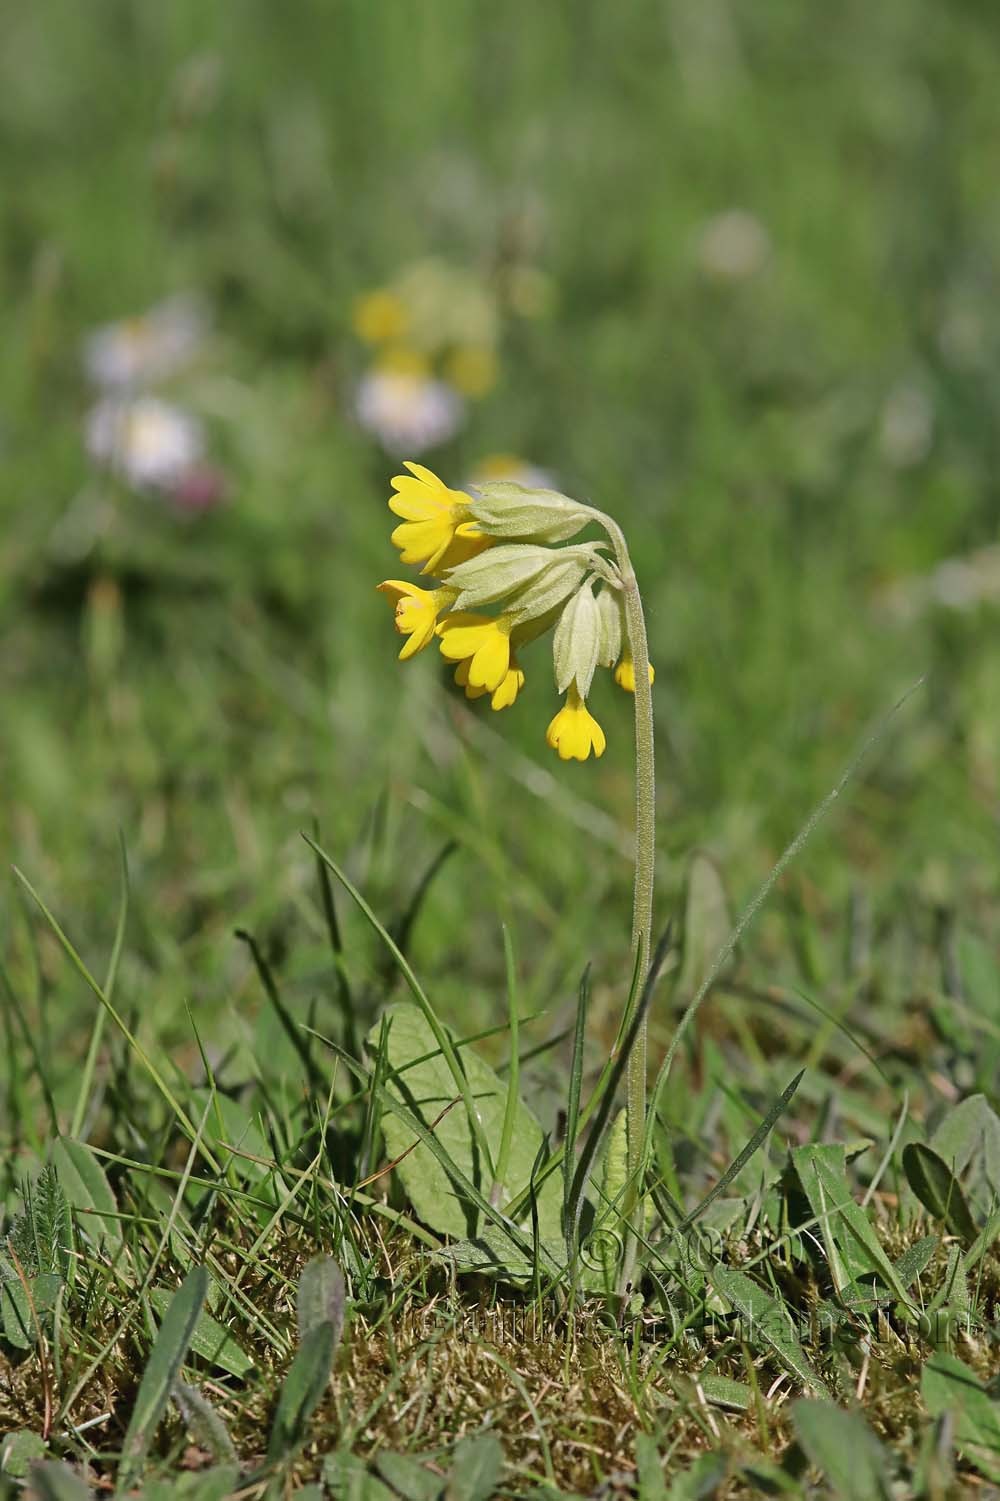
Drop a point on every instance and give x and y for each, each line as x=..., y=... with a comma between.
x=505, y=509
x=577, y=641
x=609, y=607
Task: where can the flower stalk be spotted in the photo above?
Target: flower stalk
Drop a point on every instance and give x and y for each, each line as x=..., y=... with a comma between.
x=642, y=889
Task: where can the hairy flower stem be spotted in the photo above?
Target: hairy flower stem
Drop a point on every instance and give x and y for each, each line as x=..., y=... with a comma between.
x=642, y=897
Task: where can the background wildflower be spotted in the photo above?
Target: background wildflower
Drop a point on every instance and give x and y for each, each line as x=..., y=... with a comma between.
x=149, y=348
x=406, y=409
x=150, y=442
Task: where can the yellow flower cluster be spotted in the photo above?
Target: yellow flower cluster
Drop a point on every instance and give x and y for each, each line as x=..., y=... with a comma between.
x=443, y=314
x=491, y=548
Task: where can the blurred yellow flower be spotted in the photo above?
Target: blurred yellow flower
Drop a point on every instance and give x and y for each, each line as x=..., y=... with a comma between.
x=417, y=612
x=472, y=369
x=574, y=732
x=625, y=673
x=484, y=642
x=380, y=316
x=434, y=517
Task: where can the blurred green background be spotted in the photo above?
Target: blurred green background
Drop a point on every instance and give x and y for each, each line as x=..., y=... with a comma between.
x=743, y=262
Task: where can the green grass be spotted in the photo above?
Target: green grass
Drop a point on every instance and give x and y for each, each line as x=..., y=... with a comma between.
x=203, y=694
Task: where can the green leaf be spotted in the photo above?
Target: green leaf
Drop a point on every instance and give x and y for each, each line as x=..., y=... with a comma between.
x=937, y=1188
x=409, y=1478
x=476, y=1468
x=652, y=1484
x=420, y=1079
x=708, y=923
x=320, y=1297
x=210, y=1339
x=948, y=1385
x=916, y=1259
x=852, y=1247
x=721, y=1391
x=203, y=1423
x=348, y=1479
x=19, y=1450
x=15, y=1309
x=169, y=1350
x=87, y=1189
x=55, y=1481
x=843, y=1447
x=229, y=1125
x=765, y=1323
x=700, y=1480
x=968, y=1139
x=306, y=1381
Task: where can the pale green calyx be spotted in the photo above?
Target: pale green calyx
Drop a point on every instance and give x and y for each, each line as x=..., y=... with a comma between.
x=534, y=579
x=551, y=588
x=499, y=571
x=577, y=641
x=609, y=609
x=502, y=508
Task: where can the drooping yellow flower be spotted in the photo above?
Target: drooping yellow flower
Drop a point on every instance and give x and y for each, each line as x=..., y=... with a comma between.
x=483, y=641
x=504, y=695
x=434, y=519
x=510, y=686
x=417, y=612
x=574, y=732
x=462, y=679
x=625, y=673
x=379, y=316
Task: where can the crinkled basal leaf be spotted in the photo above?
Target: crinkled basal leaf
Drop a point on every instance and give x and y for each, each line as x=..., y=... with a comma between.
x=948, y=1385
x=209, y=1339
x=87, y=1189
x=968, y=1139
x=937, y=1188
x=853, y=1249
x=476, y=1468
x=765, y=1322
x=419, y=1078
x=844, y=1448
x=707, y=922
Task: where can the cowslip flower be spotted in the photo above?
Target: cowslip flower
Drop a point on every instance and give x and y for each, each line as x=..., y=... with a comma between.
x=531, y=585
x=437, y=525
x=574, y=732
x=504, y=695
x=481, y=640
x=416, y=612
x=625, y=673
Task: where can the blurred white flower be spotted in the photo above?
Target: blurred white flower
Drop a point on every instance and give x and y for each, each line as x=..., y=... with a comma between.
x=906, y=427
x=509, y=467
x=961, y=583
x=733, y=245
x=408, y=410
x=151, y=347
x=149, y=442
